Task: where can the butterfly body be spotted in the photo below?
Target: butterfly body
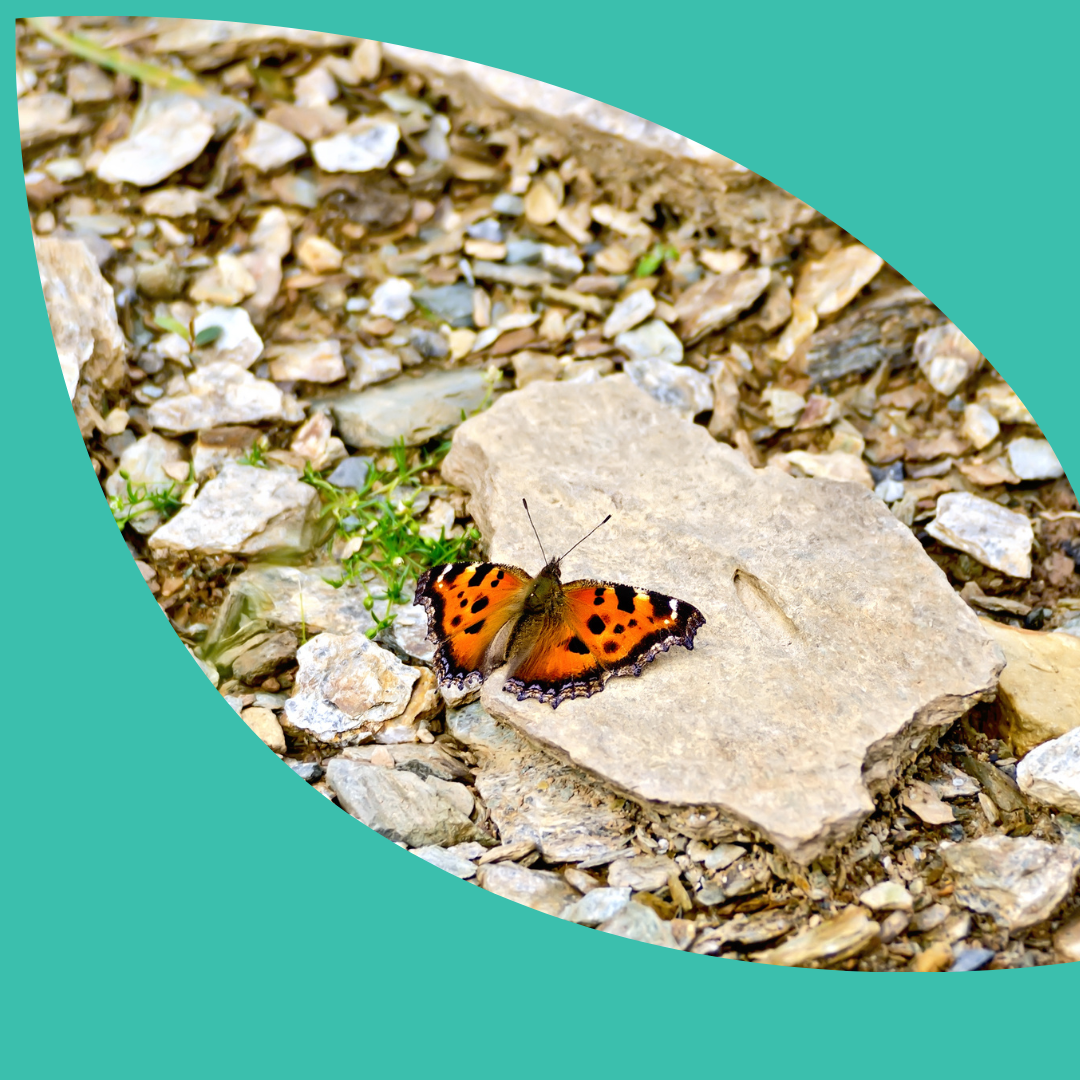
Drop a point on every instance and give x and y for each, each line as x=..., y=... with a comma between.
x=560, y=641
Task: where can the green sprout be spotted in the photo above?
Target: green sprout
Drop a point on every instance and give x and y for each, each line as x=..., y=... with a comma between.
x=391, y=553
x=651, y=261
x=139, y=499
x=256, y=456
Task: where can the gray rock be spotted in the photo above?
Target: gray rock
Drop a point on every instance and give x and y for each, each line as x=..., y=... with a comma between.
x=651, y=342
x=167, y=134
x=300, y=598
x=521, y=275
x=1034, y=459
x=887, y=896
x=627, y=313
x=425, y=760
x=398, y=805
x=597, y=906
x=392, y=299
x=451, y=303
x=366, y=144
x=510, y=205
x=266, y=658
x=838, y=699
x=352, y=472
x=996, y=536
x=311, y=361
x=446, y=860
x=346, y=687
x=1051, y=772
x=540, y=890
x=239, y=342
x=755, y=929
x=372, y=366
x=683, y=389
x=972, y=959
x=82, y=311
x=410, y=630
x=531, y=797
x=244, y=510
x=46, y=116
x=930, y=918
x=269, y=147
x=642, y=873
x=1017, y=881
x=946, y=358
x=640, y=923
x=413, y=409
x=562, y=260
x=223, y=393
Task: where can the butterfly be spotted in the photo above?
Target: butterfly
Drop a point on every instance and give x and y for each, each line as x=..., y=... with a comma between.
x=560, y=641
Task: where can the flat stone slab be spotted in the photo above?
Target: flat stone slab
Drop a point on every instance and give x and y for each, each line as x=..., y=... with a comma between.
x=834, y=649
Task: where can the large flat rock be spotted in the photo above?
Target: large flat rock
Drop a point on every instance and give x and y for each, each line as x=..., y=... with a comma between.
x=834, y=649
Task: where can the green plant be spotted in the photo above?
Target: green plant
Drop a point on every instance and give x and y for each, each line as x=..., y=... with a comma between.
x=256, y=456
x=139, y=499
x=389, y=550
x=650, y=262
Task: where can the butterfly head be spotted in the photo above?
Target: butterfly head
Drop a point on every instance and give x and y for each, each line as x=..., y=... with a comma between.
x=552, y=566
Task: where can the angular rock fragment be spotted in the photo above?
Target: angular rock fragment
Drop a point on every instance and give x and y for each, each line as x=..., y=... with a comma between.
x=167, y=134
x=714, y=302
x=223, y=393
x=1039, y=696
x=640, y=923
x=82, y=312
x=832, y=282
x=1017, y=881
x=539, y=889
x=347, y=687
x=399, y=805
x=533, y=798
x=1051, y=773
x=779, y=568
x=413, y=409
x=848, y=934
x=996, y=536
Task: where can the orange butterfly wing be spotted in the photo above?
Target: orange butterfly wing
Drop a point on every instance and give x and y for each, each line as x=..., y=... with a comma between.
x=467, y=606
x=604, y=630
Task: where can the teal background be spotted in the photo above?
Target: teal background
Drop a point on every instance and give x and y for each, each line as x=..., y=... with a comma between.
x=179, y=903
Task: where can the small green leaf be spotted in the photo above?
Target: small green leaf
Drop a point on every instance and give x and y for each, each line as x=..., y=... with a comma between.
x=175, y=326
x=208, y=334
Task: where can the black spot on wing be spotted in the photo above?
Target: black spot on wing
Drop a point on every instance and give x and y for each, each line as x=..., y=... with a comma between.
x=455, y=571
x=618, y=628
x=611, y=646
x=482, y=572
x=625, y=596
x=456, y=620
x=661, y=605
x=601, y=589
x=599, y=602
x=479, y=605
x=596, y=624
x=576, y=645
x=632, y=622
x=475, y=628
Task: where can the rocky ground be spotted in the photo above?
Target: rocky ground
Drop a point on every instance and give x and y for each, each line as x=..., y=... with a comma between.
x=327, y=311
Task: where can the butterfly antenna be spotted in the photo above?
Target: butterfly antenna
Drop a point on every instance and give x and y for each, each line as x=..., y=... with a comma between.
x=585, y=537
x=535, y=533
